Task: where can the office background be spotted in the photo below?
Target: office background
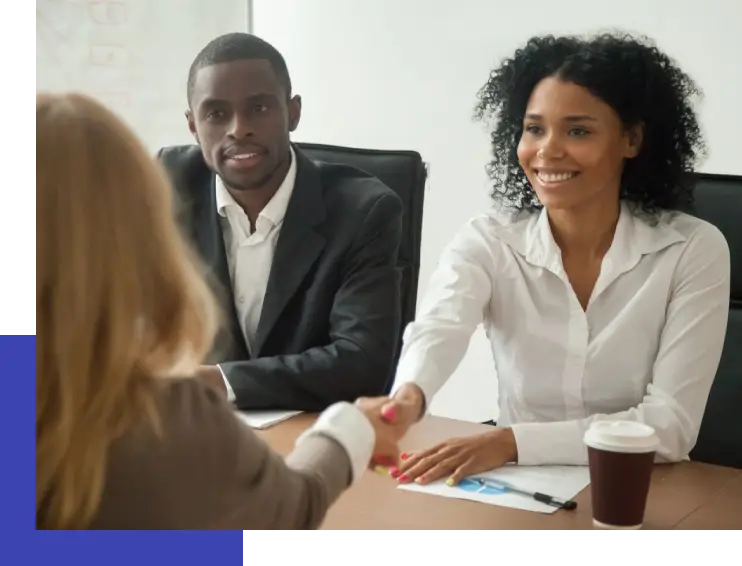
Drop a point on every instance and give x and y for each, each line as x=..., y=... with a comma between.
x=133, y=55
x=388, y=74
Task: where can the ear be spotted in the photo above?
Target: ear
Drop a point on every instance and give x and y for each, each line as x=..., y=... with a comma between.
x=634, y=140
x=294, y=112
x=192, y=125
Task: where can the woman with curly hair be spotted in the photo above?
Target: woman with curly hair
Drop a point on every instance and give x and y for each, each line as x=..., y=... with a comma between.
x=601, y=300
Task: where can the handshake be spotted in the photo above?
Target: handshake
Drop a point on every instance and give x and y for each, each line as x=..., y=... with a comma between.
x=391, y=418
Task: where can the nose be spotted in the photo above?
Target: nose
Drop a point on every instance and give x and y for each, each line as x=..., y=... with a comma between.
x=240, y=127
x=551, y=147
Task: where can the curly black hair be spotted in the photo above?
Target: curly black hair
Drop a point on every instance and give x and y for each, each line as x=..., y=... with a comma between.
x=642, y=84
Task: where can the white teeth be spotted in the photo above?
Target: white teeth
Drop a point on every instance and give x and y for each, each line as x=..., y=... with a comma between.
x=554, y=177
x=243, y=156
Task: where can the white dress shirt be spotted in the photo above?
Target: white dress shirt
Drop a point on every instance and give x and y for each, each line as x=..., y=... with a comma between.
x=250, y=254
x=646, y=348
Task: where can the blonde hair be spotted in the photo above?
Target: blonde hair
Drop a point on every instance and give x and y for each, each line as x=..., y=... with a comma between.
x=120, y=299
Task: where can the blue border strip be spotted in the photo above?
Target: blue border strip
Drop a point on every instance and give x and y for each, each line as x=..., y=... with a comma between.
x=82, y=548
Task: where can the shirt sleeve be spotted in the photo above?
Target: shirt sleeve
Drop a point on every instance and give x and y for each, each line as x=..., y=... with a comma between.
x=453, y=307
x=230, y=391
x=683, y=372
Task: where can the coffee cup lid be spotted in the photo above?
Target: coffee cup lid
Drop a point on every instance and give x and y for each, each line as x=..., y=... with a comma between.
x=621, y=436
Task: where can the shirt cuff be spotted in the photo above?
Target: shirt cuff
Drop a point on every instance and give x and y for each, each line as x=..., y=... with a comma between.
x=405, y=375
x=230, y=392
x=550, y=443
x=348, y=426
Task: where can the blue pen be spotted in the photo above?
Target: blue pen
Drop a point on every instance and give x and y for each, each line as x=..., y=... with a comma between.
x=542, y=497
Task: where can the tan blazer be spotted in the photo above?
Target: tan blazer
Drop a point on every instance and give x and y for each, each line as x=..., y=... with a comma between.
x=211, y=471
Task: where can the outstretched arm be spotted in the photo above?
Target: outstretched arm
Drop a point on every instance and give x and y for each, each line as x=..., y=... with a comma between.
x=267, y=491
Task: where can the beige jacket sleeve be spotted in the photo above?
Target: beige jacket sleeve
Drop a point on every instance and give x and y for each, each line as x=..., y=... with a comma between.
x=206, y=469
x=272, y=493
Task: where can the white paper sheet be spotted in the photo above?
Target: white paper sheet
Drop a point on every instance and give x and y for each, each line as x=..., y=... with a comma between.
x=264, y=419
x=564, y=482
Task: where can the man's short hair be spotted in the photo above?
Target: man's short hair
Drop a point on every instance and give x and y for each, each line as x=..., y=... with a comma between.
x=238, y=47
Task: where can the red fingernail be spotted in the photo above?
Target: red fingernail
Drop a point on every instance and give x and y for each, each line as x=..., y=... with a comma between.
x=394, y=472
x=404, y=455
x=403, y=478
x=388, y=413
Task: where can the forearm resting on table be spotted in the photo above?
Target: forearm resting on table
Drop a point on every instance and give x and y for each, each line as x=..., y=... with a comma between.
x=310, y=381
x=562, y=442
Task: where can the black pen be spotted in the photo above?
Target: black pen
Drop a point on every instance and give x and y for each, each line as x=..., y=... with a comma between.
x=568, y=505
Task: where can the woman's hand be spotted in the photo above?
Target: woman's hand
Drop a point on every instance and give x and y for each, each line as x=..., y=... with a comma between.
x=405, y=408
x=386, y=450
x=458, y=458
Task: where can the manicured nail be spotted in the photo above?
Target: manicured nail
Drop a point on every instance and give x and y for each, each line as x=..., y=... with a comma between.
x=404, y=478
x=404, y=456
x=394, y=472
x=449, y=482
x=389, y=413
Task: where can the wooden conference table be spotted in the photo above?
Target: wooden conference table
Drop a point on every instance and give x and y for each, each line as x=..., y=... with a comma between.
x=689, y=495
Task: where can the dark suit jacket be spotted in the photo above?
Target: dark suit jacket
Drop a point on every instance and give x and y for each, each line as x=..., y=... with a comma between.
x=330, y=322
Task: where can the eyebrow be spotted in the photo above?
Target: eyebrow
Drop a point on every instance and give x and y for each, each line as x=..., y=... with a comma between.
x=570, y=118
x=221, y=102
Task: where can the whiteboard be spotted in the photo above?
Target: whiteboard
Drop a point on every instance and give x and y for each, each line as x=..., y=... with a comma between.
x=133, y=55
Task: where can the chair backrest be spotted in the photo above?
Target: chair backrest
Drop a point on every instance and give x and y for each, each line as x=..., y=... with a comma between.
x=405, y=173
x=718, y=199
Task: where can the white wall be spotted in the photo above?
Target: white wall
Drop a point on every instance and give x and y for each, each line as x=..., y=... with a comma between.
x=403, y=74
x=133, y=55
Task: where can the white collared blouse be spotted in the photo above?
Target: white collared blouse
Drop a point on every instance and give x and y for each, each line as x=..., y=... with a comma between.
x=646, y=348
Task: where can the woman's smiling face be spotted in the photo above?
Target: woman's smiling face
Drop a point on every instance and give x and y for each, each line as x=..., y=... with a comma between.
x=573, y=145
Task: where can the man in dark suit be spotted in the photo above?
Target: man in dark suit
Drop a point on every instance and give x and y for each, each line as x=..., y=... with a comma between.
x=303, y=253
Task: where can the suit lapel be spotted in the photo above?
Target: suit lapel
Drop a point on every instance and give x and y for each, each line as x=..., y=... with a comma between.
x=209, y=240
x=298, y=247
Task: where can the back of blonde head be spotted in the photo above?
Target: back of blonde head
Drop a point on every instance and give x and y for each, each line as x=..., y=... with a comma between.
x=120, y=301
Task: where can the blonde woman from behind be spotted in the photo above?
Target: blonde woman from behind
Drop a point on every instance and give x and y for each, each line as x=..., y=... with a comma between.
x=125, y=438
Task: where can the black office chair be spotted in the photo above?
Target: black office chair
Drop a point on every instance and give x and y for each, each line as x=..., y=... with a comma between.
x=405, y=173
x=718, y=199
